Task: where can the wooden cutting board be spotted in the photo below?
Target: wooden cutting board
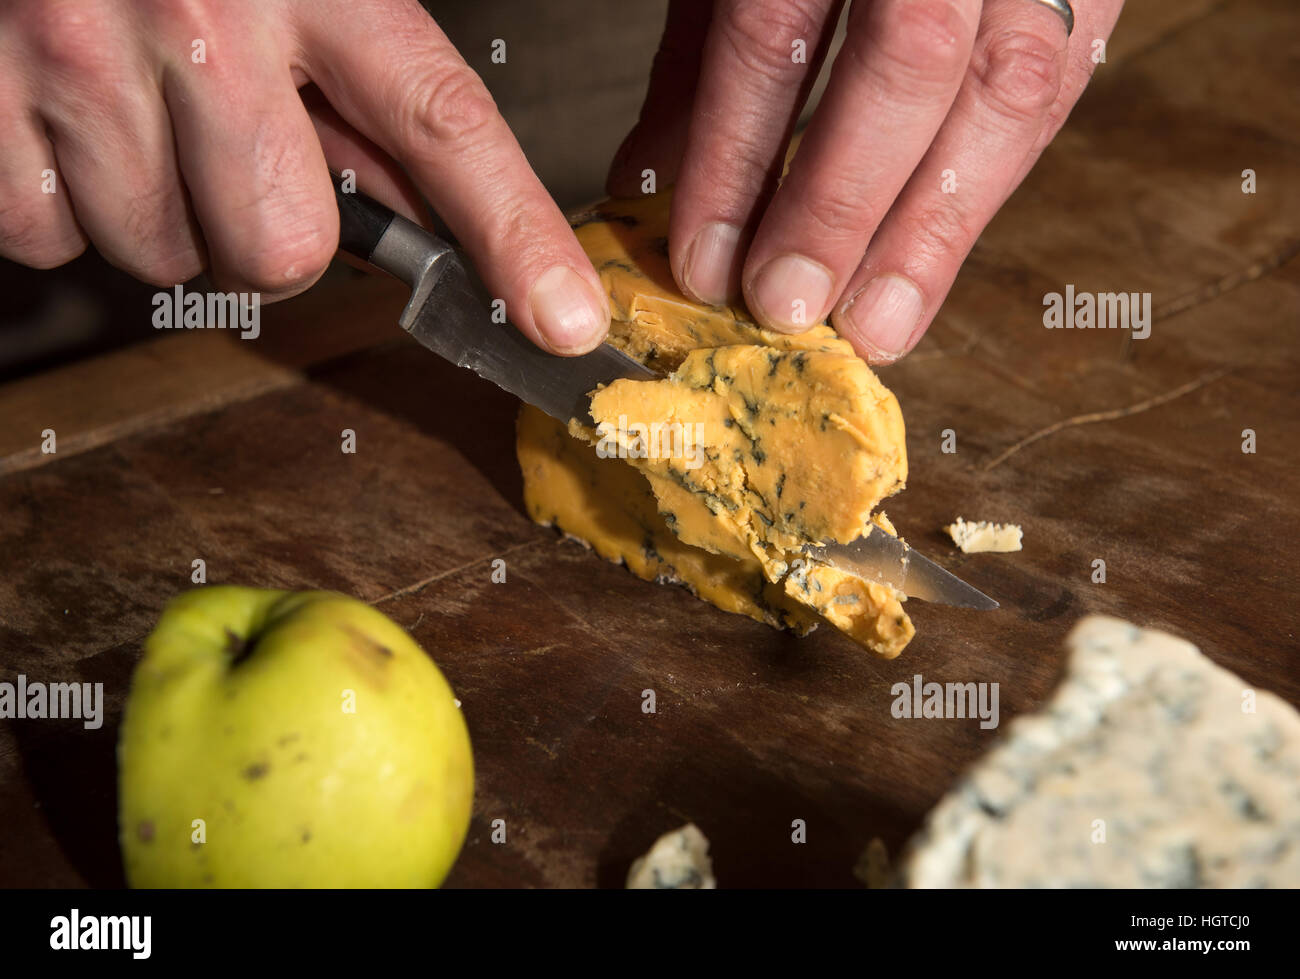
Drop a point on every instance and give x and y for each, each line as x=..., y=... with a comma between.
x=1103, y=448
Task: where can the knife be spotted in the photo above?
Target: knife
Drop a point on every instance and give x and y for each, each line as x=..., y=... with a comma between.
x=451, y=313
x=880, y=556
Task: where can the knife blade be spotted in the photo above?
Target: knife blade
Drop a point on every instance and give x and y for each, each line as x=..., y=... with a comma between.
x=879, y=556
x=451, y=313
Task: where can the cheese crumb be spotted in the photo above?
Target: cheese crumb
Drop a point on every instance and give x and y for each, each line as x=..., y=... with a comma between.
x=872, y=867
x=976, y=537
x=678, y=861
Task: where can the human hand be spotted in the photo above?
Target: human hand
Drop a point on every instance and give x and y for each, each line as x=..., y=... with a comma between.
x=934, y=112
x=175, y=138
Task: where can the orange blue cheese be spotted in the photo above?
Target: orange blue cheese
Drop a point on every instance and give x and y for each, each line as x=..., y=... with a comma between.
x=781, y=441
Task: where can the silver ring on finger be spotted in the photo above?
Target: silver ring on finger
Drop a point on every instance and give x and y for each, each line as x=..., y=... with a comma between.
x=1063, y=8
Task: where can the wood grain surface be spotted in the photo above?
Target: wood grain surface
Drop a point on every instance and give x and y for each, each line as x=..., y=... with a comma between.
x=1102, y=447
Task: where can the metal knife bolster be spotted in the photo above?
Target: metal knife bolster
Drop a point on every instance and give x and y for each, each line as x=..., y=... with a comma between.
x=416, y=257
x=879, y=556
x=451, y=313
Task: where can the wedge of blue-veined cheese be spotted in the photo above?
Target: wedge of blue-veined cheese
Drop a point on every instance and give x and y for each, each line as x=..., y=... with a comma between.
x=678, y=861
x=1150, y=767
x=793, y=441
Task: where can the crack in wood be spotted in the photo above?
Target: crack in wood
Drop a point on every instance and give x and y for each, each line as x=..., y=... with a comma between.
x=1111, y=415
x=1210, y=291
x=409, y=589
x=1226, y=283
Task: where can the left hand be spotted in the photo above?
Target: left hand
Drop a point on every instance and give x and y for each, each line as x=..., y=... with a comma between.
x=934, y=112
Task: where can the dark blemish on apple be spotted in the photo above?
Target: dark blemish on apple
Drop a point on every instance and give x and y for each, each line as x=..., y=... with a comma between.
x=306, y=836
x=373, y=660
x=288, y=739
x=207, y=878
x=301, y=756
x=255, y=771
x=365, y=644
x=145, y=831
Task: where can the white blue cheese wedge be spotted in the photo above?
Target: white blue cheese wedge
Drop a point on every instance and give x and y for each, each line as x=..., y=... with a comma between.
x=679, y=861
x=1150, y=767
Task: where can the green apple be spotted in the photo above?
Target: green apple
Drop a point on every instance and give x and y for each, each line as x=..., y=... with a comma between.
x=281, y=739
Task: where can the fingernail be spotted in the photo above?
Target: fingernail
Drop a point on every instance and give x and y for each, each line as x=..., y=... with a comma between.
x=707, y=271
x=882, y=316
x=790, y=293
x=569, y=315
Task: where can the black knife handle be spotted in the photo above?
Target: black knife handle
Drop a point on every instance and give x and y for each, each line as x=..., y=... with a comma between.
x=362, y=220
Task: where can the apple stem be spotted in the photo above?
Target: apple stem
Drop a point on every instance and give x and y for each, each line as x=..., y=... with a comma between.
x=239, y=649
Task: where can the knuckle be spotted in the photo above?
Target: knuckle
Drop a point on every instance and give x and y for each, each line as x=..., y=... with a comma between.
x=509, y=235
x=838, y=210
x=148, y=212
x=67, y=36
x=741, y=171
x=186, y=18
x=762, y=34
x=28, y=236
x=510, y=224
x=1018, y=74
x=21, y=225
x=941, y=231
x=284, y=230
x=921, y=43
x=451, y=106
x=277, y=161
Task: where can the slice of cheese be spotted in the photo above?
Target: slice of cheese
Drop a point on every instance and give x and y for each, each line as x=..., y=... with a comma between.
x=1150, y=767
x=794, y=447
x=976, y=537
x=793, y=440
x=627, y=242
x=679, y=861
x=608, y=506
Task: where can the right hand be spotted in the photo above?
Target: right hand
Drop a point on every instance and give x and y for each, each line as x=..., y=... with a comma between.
x=172, y=165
